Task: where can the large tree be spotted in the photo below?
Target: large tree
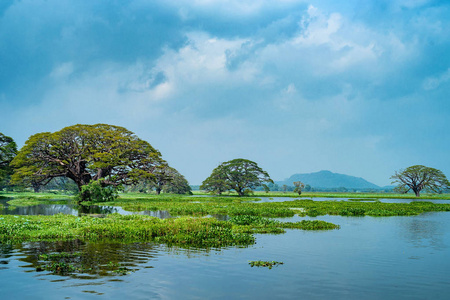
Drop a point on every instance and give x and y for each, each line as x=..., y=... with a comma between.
x=237, y=174
x=111, y=154
x=418, y=178
x=177, y=185
x=8, y=150
x=169, y=180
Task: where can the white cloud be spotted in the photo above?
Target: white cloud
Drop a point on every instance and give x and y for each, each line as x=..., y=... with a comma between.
x=62, y=71
x=432, y=83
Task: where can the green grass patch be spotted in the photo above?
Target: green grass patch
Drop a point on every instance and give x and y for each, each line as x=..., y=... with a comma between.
x=233, y=206
x=346, y=208
x=201, y=232
x=258, y=224
x=31, y=201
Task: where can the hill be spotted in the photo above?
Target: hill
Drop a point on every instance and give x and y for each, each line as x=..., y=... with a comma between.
x=329, y=180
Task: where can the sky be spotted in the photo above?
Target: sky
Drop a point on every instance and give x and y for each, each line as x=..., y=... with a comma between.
x=355, y=87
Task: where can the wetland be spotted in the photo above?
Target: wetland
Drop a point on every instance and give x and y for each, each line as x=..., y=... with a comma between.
x=170, y=247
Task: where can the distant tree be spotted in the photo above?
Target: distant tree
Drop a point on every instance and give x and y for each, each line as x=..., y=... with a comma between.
x=273, y=186
x=307, y=188
x=238, y=174
x=163, y=174
x=62, y=184
x=418, y=178
x=266, y=188
x=178, y=185
x=8, y=150
x=166, y=179
x=285, y=187
x=84, y=153
x=216, y=183
x=298, y=187
x=169, y=180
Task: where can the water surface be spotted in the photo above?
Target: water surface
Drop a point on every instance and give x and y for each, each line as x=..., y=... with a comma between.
x=368, y=258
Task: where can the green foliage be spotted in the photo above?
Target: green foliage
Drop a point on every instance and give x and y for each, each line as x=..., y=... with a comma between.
x=273, y=226
x=238, y=174
x=94, y=191
x=84, y=153
x=298, y=187
x=235, y=206
x=345, y=208
x=418, y=178
x=8, y=150
x=201, y=232
x=177, y=185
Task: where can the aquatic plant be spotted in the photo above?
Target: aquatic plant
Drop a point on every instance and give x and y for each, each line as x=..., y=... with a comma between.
x=201, y=232
x=268, y=264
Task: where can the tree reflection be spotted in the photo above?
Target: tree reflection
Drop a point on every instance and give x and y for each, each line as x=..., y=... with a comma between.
x=423, y=231
x=93, y=259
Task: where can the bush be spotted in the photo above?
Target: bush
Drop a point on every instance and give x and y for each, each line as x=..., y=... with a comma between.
x=95, y=192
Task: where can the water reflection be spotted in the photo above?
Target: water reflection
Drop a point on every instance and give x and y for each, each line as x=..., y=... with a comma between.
x=91, y=260
x=425, y=231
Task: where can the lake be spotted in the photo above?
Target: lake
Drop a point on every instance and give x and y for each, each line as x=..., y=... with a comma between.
x=368, y=257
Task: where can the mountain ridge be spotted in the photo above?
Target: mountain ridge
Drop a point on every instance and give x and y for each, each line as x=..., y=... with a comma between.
x=327, y=179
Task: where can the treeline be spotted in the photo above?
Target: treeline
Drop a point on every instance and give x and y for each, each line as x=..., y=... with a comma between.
x=97, y=161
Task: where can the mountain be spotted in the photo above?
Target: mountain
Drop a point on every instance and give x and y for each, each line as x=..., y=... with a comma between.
x=328, y=180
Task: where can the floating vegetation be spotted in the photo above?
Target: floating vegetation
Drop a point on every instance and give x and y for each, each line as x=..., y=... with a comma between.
x=193, y=229
x=31, y=201
x=62, y=263
x=346, y=208
x=263, y=225
x=233, y=206
x=201, y=232
x=268, y=264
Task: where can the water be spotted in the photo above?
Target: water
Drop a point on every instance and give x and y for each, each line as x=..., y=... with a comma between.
x=370, y=258
x=73, y=209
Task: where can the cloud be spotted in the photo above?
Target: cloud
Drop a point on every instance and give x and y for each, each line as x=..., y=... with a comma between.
x=294, y=86
x=434, y=82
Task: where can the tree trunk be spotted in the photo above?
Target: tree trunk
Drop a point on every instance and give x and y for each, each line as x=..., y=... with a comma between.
x=158, y=190
x=417, y=192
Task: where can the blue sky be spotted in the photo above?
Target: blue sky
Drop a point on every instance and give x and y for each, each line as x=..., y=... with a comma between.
x=354, y=87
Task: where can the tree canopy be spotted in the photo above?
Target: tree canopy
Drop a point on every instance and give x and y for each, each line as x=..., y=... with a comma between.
x=177, y=184
x=418, y=178
x=8, y=150
x=237, y=174
x=298, y=187
x=169, y=180
x=84, y=153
